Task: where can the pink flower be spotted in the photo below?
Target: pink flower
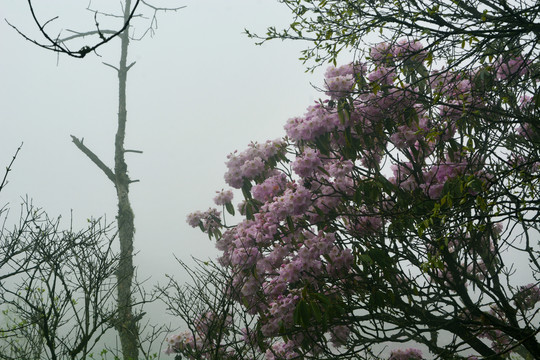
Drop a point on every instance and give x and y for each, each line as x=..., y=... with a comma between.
x=280, y=313
x=281, y=350
x=209, y=220
x=340, y=261
x=406, y=354
x=292, y=202
x=381, y=53
x=382, y=76
x=345, y=70
x=528, y=296
x=410, y=50
x=339, y=86
x=252, y=168
x=339, y=335
x=509, y=68
x=269, y=188
x=251, y=162
x=193, y=219
x=223, y=197
x=314, y=123
x=307, y=163
x=340, y=169
x=178, y=342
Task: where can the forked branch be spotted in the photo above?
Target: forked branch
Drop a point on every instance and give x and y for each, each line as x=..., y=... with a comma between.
x=58, y=45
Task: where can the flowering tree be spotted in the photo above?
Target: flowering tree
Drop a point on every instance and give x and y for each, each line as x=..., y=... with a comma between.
x=460, y=31
x=402, y=208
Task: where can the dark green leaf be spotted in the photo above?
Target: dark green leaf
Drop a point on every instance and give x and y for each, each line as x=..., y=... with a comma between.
x=230, y=208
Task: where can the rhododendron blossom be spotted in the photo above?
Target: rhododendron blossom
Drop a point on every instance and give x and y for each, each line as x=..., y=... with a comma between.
x=509, y=68
x=223, y=197
x=390, y=207
x=406, y=354
x=528, y=296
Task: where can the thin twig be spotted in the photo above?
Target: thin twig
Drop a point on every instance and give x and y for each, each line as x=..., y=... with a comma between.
x=8, y=168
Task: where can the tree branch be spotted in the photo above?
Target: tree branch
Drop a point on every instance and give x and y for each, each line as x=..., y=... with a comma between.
x=84, y=34
x=57, y=45
x=8, y=168
x=95, y=159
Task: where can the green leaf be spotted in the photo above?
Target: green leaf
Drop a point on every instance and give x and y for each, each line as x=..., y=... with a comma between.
x=322, y=298
x=230, y=208
x=481, y=203
x=365, y=258
x=329, y=34
x=246, y=189
x=302, y=314
x=249, y=211
x=290, y=223
x=358, y=196
x=536, y=100
x=377, y=299
x=316, y=311
x=323, y=144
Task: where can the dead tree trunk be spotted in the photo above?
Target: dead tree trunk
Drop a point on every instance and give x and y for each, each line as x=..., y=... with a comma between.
x=126, y=322
x=126, y=325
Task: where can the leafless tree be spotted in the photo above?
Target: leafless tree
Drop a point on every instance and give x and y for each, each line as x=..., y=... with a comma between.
x=218, y=328
x=59, y=299
x=127, y=322
x=11, y=245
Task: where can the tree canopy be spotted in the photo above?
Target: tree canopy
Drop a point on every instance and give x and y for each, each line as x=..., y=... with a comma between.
x=460, y=31
x=400, y=209
x=399, y=216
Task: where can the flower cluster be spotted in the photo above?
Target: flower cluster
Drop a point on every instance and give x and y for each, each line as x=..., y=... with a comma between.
x=406, y=354
x=250, y=163
x=282, y=350
x=527, y=296
x=223, y=197
x=269, y=188
x=341, y=81
x=316, y=122
x=178, y=342
x=208, y=220
x=379, y=198
x=513, y=67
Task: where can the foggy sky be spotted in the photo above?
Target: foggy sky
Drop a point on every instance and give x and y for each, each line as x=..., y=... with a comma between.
x=199, y=90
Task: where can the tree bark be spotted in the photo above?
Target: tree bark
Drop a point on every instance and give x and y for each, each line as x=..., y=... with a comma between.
x=126, y=324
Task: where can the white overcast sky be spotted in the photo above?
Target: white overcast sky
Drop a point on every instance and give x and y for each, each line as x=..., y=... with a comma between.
x=200, y=89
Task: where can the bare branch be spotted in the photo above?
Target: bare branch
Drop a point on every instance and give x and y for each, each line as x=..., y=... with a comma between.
x=153, y=22
x=8, y=168
x=84, y=34
x=95, y=159
x=130, y=66
x=111, y=66
x=59, y=46
x=155, y=8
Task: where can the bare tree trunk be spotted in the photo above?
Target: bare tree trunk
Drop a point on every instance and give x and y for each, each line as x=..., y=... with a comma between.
x=126, y=325
x=126, y=322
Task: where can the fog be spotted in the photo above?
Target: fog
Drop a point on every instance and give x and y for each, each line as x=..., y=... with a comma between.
x=199, y=90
